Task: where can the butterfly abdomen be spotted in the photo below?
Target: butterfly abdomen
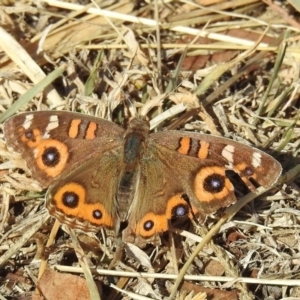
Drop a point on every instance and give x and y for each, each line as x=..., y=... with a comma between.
x=133, y=151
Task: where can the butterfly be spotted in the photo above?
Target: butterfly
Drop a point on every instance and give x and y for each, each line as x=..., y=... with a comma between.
x=100, y=175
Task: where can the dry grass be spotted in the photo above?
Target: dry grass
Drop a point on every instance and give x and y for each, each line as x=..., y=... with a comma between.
x=229, y=68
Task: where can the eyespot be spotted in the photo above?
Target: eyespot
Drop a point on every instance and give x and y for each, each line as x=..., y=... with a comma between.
x=151, y=224
x=70, y=199
x=97, y=214
x=177, y=207
x=51, y=157
x=214, y=183
x=211, y=184
x=28, y=134
x=180, y=211
x=31, y=137
x=245, y=171
x=148, y=225
x=248, y=171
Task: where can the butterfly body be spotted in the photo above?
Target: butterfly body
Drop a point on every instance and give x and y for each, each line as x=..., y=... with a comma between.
x=100, y=175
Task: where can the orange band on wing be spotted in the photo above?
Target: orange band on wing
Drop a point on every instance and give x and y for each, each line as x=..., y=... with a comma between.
x=240, y=167
x=203, y=151
x=91, y=131
x=185, y=143
x=74, y=128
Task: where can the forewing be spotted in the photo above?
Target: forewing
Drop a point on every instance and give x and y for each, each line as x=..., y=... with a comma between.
x=53, y=143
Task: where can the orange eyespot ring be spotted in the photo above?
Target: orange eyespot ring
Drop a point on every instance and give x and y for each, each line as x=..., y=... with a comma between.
x=177, y=202
x=151, y=224
x=69, y=198
x=31, y=137
x=211, y=184
x=51, y=157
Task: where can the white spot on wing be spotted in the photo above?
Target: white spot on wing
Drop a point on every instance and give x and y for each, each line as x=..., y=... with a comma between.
x=28, y=121
x=256, y=159
x=228, y=152
x=53, y=123
x=229, y=166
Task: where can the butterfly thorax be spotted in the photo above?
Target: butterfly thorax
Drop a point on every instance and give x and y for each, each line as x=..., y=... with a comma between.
x=135, y=140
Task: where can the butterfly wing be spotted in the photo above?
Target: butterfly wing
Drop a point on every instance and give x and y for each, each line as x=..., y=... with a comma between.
x=55, y=143
x=86, y=198
x=248, y=162
x=181, y=165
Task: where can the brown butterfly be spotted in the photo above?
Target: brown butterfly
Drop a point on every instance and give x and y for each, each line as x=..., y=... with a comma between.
x=100, y=175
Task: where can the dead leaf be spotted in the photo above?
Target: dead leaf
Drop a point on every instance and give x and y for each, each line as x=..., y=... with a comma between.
x=54, y=285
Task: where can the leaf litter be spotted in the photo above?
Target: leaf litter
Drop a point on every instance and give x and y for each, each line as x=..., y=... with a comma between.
x=216, y=59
